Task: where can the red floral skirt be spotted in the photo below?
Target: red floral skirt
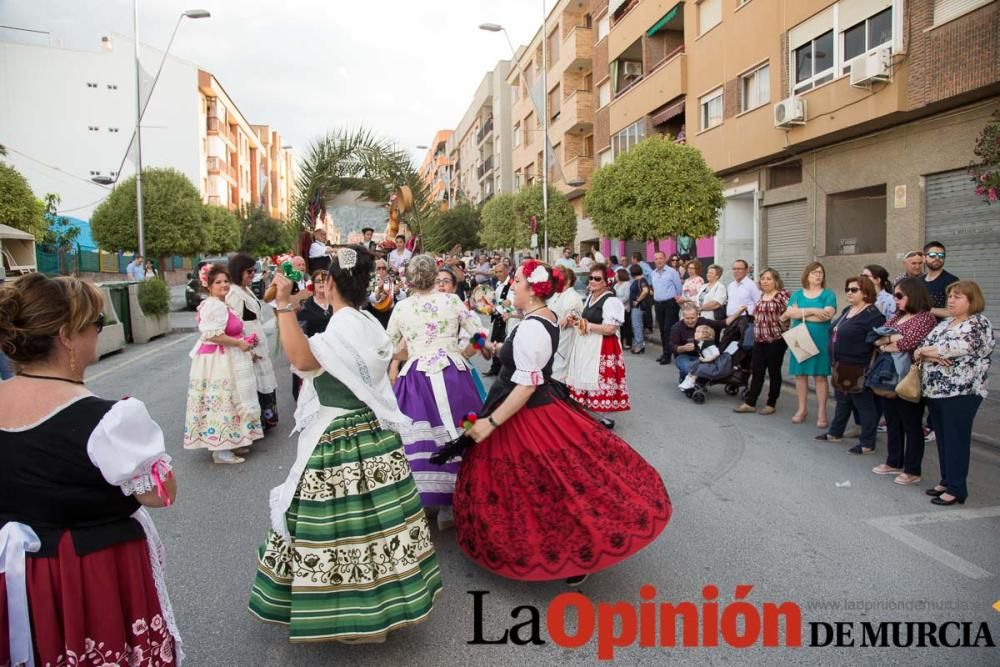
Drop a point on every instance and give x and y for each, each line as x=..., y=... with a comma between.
x=98, y=609
x=553, y=494
x=612, y=392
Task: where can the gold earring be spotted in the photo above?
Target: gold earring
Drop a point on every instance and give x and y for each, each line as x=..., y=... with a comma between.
x=72, y=360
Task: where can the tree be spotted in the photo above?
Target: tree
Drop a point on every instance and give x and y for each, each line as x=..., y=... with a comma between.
x=655, y=190
x=561, y=216
x=263, y=235
x=172, y=216
x=60, y=233
x=223, y=228
x=500, y=227
x=19, y=207
x=458, y=225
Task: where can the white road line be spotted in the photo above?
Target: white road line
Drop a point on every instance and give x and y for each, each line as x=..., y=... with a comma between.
x=895, y=526
x=131, y=360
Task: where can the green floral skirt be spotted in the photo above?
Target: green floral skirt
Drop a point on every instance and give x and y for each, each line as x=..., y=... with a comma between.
x=360, y=560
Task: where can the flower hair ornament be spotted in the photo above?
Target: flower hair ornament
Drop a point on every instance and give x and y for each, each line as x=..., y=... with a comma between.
x=347, y=258
x=539, y=279
x=203, y=275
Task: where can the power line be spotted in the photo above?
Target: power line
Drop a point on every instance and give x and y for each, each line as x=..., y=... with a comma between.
x=54, y=168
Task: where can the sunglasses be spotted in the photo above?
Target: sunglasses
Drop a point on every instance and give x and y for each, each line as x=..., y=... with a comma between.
x=381, y=268
x=898, y=295
x=99, y=323
x=595, y=279
x=852, y=290
x=934, y=255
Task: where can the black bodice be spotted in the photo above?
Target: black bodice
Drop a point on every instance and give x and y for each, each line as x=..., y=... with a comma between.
x=504, y=384
x=594, y=313
x=48, y=482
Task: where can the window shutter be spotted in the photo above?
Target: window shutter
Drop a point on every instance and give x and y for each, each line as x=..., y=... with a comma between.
x=946, y=10
x=853, y=12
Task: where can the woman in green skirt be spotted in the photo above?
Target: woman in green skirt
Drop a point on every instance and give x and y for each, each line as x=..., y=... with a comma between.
x=349, y=555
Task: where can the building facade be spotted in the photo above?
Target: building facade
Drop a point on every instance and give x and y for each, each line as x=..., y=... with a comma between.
x=437, y=170
x=73, y=119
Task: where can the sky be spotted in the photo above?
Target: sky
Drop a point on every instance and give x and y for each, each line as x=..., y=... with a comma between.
x=401, y=69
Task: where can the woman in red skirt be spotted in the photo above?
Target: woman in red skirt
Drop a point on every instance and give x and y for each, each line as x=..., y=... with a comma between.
x=82, y=567
x=596, y=375
x=547, y=492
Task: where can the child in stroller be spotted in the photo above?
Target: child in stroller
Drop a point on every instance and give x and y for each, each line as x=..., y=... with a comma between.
x=732, y=366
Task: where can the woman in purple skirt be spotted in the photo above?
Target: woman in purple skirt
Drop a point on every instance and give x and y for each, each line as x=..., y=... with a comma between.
x=435, y=384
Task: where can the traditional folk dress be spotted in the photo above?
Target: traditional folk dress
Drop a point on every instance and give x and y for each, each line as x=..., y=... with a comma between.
x=222, y=407
x=96, y=592
x=565, y=302
x=349, y=555
x=435, y=384
x=551, y=493
x=250, y=310
x=596, y=375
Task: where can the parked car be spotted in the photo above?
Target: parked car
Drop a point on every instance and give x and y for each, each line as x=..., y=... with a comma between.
x=193, y=294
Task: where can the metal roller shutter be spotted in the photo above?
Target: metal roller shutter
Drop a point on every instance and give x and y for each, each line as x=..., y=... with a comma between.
x=788, y=238
x=970, y=232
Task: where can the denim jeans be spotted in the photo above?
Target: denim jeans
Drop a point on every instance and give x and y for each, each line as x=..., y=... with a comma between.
x=684, y=363
x=864, y=403
x=953, y=417
x=637, y=332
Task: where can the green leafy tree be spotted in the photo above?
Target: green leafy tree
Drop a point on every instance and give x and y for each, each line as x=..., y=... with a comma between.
x=458, y=225
x=172, y=216
x=655, y=190
x=223, y=230
x=19, y=207
x=60, y=233
x=263, y=235
x=500, y=225
x=561, y=216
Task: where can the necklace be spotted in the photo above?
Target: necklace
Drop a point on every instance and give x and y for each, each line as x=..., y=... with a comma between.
x=50, y=377
x=534, y=309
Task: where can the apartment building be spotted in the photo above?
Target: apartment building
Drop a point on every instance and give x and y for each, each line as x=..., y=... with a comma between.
x=480, y=148
x=569, y=101
x=842, y=130
x=74, y=115
x=437, y=170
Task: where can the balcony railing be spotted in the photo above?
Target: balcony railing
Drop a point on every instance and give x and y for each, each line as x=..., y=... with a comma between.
x=484, y=131
x=214, y=200
x=485, y=168
x=215, y=164
x=213, y=124
x=579, y=168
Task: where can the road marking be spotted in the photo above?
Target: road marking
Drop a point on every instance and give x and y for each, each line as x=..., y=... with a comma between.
x=896, y=526
x=131, y=360
x=996, y=605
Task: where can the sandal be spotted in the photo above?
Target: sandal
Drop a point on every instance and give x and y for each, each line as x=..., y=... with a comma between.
x=883, y=469
x=858, y=449
x=798, y=418
x=826, y=437
x=906, y=479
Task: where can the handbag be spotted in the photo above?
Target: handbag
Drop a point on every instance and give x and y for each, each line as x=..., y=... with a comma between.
x=848, y=378
x=800, y=343
x=908, y=388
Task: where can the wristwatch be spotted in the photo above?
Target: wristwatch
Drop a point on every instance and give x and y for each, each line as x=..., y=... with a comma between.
x=287, y=308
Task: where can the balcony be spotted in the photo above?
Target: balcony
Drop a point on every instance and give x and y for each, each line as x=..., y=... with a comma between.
x=485, y=168
x=579, y=168
x=577, y=49
x=214, y=200
x=215, y=165
x=485, y=131
x=576, y=113
x=664, y=83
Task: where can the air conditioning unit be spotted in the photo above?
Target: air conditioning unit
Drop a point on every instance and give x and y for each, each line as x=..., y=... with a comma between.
x=789, y=112
x=632, y=68
x=872, y=67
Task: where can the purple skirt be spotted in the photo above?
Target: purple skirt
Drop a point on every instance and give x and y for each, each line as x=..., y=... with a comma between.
x=415, y=396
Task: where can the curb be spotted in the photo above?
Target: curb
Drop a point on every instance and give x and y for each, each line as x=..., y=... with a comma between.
x=981, y=438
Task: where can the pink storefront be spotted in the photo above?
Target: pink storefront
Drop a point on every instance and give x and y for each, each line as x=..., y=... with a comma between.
x=705, y=248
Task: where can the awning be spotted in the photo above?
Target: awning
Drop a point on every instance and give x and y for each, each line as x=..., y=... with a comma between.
x=665, y=20
x=668, y=111
x=8, y=232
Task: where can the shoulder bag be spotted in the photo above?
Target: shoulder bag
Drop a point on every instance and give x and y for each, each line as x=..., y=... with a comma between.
x=908, y=388
x=800, y=342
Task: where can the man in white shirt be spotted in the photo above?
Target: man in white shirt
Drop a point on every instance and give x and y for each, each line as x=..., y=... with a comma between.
x=400, y=256
x=567, y=259
x=743, y=293
x=319, y=253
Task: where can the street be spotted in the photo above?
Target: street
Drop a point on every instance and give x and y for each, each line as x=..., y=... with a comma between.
x=757, y=502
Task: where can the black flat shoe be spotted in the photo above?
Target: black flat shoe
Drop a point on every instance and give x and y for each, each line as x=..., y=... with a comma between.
x=941, y=501
x=577, y=580
x=607, y=423
x=935, y=492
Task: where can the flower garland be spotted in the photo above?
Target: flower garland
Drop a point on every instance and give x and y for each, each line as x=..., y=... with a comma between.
x=986, y=172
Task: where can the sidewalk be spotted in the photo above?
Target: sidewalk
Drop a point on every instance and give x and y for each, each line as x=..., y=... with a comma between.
x=986, y=429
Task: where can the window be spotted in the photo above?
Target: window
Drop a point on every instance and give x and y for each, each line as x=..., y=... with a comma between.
x=605, y=158
x=91, y=85
x=946, y=10
x=780, y=175
x=709, y=15
x=755, y=88
x=517, y=134
x=864, y=36
x=604, y=94
x=711, y=109
x=628, y=137
x=813, y=62
x=855, y=221
x=603, y=27
x=526, y=127
x=517, y=180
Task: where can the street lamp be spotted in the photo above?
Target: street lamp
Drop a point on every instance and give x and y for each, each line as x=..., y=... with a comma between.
x=496, y=27
x=140, y=111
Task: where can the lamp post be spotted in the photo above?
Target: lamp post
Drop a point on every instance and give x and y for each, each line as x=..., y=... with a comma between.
x=140, y=111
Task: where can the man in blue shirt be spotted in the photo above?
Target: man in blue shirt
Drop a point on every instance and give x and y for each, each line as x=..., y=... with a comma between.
x=135, y=269
x=666, y=284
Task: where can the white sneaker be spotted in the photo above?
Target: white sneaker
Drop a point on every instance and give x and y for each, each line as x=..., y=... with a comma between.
x=226, y=457
x=688, y=383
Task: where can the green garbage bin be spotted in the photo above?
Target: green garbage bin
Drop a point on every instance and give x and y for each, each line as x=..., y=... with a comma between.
x=119, y=301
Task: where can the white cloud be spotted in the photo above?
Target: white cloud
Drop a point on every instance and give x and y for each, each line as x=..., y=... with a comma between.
x=402, y=69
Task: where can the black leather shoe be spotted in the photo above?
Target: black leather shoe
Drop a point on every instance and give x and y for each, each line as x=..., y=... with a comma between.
x=935, y=492
x=664, y=362
x=660, y=358
x=941, y=501
x=607, y=423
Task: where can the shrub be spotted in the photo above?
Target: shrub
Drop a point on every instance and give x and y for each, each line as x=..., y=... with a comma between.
x=154, y=297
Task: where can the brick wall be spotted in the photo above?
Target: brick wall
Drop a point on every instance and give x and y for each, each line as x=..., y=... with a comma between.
x=600, y=60
x=602, y=129
x=731, y=98
x=955, y=58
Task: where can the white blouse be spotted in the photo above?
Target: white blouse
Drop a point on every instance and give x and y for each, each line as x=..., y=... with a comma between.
x=612, y=312
x=127, y=445
x=532, y=350
x=431, y=325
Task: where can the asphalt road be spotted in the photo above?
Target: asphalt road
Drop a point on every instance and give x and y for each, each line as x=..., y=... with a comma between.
x=756, y=502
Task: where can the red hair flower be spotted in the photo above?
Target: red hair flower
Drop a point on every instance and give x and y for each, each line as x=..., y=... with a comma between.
x=539, y=278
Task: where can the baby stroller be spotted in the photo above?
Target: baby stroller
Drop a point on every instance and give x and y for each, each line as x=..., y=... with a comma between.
x=732, y=368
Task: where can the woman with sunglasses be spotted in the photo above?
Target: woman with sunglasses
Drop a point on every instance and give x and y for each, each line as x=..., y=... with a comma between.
x=851, y=352
x=903, y=419
x=78, y=473
x=596, y=375
x=242, y=301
